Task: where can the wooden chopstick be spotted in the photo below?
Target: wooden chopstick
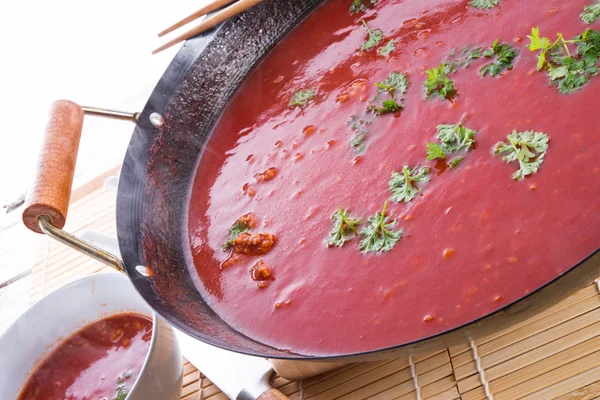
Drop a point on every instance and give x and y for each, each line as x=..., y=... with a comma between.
x=210, y=22
x=215, y=5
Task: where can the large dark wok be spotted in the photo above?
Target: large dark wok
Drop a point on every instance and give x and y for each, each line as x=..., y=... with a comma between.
x=160, y=163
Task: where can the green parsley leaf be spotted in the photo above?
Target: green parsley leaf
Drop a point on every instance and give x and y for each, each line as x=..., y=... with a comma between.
x=301, y=97
x=464, y=59
x=474, y=53
x=528, y=148
x=434, y=151
x=234, y=231
x=358, y=6
x=438, y=83
x=359, y=127
x=344, y=225
x=539, y=43
x=484, y=4
x=455, y=137
x=452, y=138
x=121, y=393
x=388, y=106
x=395, y=83
x=505, y=54
x=379, y=235
x=455, y=162
x=404, y=185
x=385, y=51
x=358, y=140
x=374, y=38
x=591, y=13
x=566, y=71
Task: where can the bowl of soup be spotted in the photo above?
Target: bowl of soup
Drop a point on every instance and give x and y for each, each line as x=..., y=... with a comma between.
x=94, y=338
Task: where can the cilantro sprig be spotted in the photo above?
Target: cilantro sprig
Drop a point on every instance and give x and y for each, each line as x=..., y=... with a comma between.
x=359, y=6
x=569, y=72
x=361, y=131
x=395, y=85
x=344, y=228
x=301, y=97
x=438, y=84
x=452, y=138
x=591, y=13
x=455, y=162
x=388, y=106
x=385, y=51
x=403, y=185
x=121, y=393
x=528, y=148
x=484, y=4
x=379, y=235
x=374, y=37
x=464, y=59
x=504, y=54
x=234, y=230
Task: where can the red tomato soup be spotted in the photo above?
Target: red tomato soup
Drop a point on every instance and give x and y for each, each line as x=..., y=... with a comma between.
x=101, y=361
x=480, y=226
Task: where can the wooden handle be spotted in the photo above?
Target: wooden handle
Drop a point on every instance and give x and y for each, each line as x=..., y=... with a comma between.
x=51, y=189
x=273, y=394
x=298, y=370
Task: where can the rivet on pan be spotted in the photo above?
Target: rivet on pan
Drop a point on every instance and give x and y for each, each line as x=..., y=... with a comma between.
x=156, y=119
x=145, y=271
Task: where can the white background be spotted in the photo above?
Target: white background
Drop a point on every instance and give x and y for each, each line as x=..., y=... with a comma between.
x=94, y=53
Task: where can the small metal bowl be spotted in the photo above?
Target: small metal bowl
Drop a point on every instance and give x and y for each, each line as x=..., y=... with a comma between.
x=47, y=323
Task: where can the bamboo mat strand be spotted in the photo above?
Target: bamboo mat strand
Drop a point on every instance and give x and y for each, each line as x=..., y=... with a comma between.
x=554, y=355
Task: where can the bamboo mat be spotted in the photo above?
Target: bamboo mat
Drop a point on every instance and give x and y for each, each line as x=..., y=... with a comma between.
x=555, y=355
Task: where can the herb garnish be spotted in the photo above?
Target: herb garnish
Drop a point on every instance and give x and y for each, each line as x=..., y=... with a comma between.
x=454, y=162
x=568, y=72
x=395, y=85
x=505, y=54
x=484, y=4
x=388, y=106
x=385, y=51
x=359, y=127
x=395, y=82
x=528, y=148
x=452, y=139
x=375, y=37
x=121, y=393
x=404, y=185
x=301, y=97
x=234, y=230
x=358, y=6
x=438, y=83
x=434, y=152
x=378, y=236
x=467, y=55
x=590, y=13
x=344, y=225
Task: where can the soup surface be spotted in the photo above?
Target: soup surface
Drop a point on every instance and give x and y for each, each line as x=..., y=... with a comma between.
x=311, y=132
x=101, y=361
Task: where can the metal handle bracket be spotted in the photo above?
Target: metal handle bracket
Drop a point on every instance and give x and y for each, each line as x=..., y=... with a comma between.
x=44, y=221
